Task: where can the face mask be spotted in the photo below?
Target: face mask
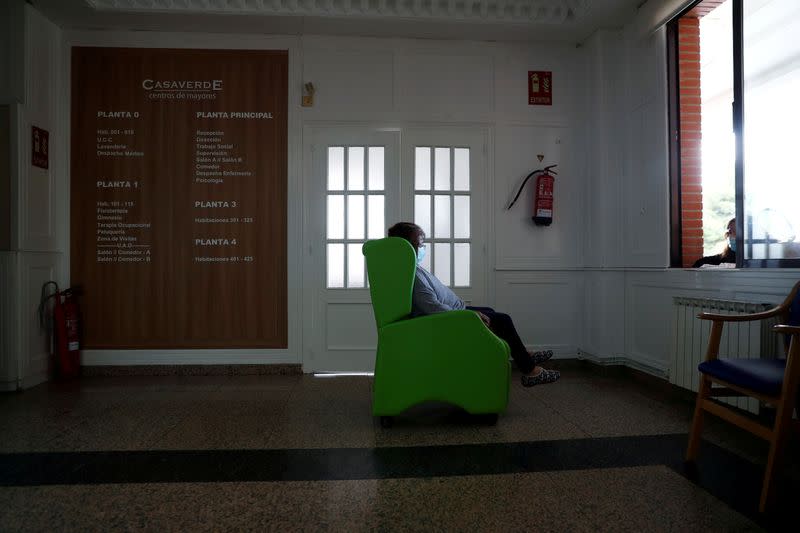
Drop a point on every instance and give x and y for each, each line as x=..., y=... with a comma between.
x=732, y=243
x=420, y=254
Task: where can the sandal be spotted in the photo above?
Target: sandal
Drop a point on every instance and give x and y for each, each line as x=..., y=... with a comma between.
x=541, y=357
x=545, y=376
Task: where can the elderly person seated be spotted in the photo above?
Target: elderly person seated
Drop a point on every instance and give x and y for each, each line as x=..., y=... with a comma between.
x=728, y=255
x=432, y=296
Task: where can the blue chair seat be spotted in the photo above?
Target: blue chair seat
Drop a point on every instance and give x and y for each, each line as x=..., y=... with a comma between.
x=764, y=376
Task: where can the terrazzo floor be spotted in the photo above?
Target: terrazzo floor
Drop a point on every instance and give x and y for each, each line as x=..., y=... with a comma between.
x=592, y=452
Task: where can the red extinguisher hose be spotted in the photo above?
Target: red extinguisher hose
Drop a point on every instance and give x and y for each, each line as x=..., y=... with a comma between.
x=546, y=170
x=45, y=317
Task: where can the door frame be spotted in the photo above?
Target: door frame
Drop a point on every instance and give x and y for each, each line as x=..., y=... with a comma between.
x=398, y=206
x=317, y=353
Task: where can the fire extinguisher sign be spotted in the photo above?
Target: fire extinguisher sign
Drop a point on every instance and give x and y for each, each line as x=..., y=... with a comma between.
x=540, y=87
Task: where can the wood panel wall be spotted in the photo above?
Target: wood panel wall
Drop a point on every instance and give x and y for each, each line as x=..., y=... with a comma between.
x=207, y=275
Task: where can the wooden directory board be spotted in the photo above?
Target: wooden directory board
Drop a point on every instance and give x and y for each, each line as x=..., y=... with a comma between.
x=178, y=197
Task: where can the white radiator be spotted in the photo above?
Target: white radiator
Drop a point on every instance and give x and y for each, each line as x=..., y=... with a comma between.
x=753, y=339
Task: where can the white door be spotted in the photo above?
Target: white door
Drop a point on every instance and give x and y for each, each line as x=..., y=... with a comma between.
x=444, y=191
x=355, y=190
x=352, y=195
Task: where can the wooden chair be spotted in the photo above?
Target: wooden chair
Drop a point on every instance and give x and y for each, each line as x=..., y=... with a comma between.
x=774, y=381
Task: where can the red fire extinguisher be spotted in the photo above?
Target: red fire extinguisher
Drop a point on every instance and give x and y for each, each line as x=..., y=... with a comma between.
x=543, y=198
x=62, y=321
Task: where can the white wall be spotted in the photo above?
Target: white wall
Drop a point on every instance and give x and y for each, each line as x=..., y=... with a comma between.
x=37, y=242
x=603, y=308
x=595, y=283
x=400, y=83
x=12, y=19
x=8, y=323
x=394, y=83
x=42, y=240
x=11, y=50
x=629, y=290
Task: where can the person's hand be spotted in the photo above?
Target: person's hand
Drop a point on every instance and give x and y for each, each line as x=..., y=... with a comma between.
x=484, y=318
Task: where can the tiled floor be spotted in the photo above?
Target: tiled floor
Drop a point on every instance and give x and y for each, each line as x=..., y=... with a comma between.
x=633, y=482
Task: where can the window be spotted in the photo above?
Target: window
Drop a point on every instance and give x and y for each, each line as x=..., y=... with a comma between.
x=740, y=55
x=442, y=202
x=355, y=210
x=368, y=180
x=771, y=71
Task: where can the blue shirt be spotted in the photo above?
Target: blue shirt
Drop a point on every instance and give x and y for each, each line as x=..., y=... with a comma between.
x=432, y=296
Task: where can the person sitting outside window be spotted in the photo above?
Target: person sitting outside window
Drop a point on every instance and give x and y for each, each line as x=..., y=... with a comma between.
x=432, y=296
x=728, y=255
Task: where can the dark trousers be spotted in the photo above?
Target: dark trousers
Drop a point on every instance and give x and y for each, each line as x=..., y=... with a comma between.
x=502, y=326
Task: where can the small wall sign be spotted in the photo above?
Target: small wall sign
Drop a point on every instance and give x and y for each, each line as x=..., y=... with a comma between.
x=540, y=87
x=40, y=147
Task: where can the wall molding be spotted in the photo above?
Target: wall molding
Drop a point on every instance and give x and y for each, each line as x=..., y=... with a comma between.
x=33, y=357
x=522, y=263
x=9, y=326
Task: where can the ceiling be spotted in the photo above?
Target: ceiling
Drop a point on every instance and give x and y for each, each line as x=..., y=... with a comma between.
x=567, y=21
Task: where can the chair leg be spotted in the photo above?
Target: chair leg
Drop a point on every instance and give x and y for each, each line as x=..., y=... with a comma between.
x=703, y=392
x=783, y=421
x=490, y=419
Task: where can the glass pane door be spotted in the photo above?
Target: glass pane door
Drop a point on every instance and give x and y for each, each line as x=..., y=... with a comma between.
x=442, y=200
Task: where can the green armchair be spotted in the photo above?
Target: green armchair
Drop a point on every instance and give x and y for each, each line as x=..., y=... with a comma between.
x=445, y=357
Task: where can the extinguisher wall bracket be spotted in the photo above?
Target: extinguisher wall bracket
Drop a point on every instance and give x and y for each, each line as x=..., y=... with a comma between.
x=75, y=290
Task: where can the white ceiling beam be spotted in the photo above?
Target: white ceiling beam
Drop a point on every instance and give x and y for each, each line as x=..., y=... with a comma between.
x=520, y=11
x=654, y=14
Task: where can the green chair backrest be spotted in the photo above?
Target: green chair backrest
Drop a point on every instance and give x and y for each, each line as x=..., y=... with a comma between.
x=391, y=265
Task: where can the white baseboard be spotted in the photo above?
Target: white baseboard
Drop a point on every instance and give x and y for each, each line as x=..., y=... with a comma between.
x=560, y=351
x=654, y=368
x=34, y=379
x=8, y=386
x=564, y=351
x=187, y=357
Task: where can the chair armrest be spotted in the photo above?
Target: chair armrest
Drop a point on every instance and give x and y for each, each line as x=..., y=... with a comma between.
x=741, y=318
x=461, y=332
x=449, y=317
x=783, y=328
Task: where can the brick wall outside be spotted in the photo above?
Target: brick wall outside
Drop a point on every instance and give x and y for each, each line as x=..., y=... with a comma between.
x=689, y=135
x=705, y=7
